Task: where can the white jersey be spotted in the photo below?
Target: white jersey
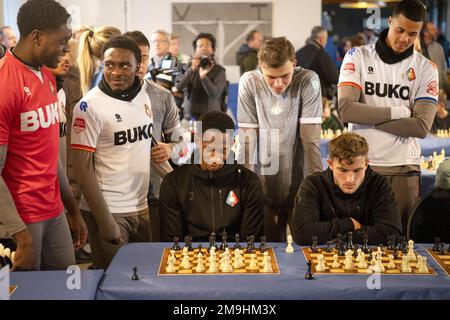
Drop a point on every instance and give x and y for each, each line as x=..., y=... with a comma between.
x=389, y=85
x=62, y=128
x=119, y=133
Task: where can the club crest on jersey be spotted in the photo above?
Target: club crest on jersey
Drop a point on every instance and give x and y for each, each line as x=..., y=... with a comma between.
x=232, y=199
x=148, y=111
x=79, y=125
x=433, y=88
x=411, y=74
x=349, y=68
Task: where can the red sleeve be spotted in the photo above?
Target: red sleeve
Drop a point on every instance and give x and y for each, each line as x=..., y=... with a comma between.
x=9, y=105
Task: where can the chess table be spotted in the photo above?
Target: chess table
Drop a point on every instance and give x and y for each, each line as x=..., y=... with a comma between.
x=289, y=284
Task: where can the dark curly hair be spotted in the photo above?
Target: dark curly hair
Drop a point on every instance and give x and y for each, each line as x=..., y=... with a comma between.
x=41, y=15
x=205, y=35
x=124, y=42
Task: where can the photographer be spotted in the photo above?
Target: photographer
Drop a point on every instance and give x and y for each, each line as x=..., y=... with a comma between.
x=204, y=83
x=160, y=41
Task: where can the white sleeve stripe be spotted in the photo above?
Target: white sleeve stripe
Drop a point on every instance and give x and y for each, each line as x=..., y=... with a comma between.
x=316, y=120
x=248, y=125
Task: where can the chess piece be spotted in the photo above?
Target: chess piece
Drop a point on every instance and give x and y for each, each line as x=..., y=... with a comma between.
x=362, y=264
x=391, y=242
x=379, y=267
x=314, y=247
x=185, y=264
x=338, y=238
x=349, y=245
x=135, y=276
x=442, y=249
x=176, y=244
x=267, y=263
x=422, y=264
x=341, y=249
x=406, y=268
x=355, y=251
x=410, y=254
x=365, y=247
x=224, y=241
x=359, y=253
x=212, y=261
x=188, y=243
x=320, y=267
x=225, y=264
x=448, y=249
x=437, y=242
x=328, y=249
x=238, y=261
x=348, y=261
x=171, y=262
x=200, y=268
x=237, y=239
x=309, y=275
x=391, y=264
x=253, y=262
x=404, y=245
x=373, y=259
x=289, y=248
x=212, y=241
x=335, y=264
x=251, y=244
x=263, y=247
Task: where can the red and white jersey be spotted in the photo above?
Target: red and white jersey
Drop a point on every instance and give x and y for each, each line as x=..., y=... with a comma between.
x=29, y=126
x=119, y=133
x=389, y=85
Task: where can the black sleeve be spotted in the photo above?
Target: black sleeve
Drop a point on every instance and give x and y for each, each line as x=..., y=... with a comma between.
x=252, y=208
x=171, y=214
x=328, y=68
x=386, y=216
x=306, y=221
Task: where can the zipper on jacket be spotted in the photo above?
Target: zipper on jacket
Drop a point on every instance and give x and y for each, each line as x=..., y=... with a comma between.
x=212, y=203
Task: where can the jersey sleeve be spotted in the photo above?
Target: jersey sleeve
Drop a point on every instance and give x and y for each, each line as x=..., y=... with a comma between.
x=86, y=127
x=350, y=74
x=246, y=113
x=171, y=119
x=428, y=89
x=311, y=99
x=9, y=108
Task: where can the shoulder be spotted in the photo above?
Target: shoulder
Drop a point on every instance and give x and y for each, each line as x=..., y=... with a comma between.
x=425, y=64
x=152, y=88
x=247, y=174
x=179, y=174
x=251, y=77
x=312, y=183
x=377, y=181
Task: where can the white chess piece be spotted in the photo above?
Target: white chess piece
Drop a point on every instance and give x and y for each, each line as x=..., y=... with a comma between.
x=422, y=264
x=320, y=267
x=358, y=257
x=406, y=268
x=253, y=261
x=411, y=255
x=335, y=263
x=238, y=263
x=267, y=265
x=348, y=261
x=362, y=264
x=391, y=264
x=226, y=263
x=171, y=262
x=289, y=248
x=373, y=261
x=378, y=267
x=200, y=268
x=213, y=268
x=185, y=264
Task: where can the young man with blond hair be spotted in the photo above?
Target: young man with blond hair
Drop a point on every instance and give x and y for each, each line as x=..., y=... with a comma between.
x=280, y=107
x=348, y=196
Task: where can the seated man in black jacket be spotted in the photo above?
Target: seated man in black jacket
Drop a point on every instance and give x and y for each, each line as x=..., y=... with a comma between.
x=348, y=196
x=214, y=193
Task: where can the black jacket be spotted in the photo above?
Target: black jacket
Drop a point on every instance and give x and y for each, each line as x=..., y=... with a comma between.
x=313, y=57
x=323, y=210
x=246, y=58
x=196, y=202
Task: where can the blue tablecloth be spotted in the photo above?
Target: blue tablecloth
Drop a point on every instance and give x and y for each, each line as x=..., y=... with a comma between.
x=289, y=284
x=51, y=285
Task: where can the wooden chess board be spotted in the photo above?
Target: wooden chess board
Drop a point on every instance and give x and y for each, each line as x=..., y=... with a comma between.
x=193, y=261
x=328, y=257
x=442, y=260
x=12, y=289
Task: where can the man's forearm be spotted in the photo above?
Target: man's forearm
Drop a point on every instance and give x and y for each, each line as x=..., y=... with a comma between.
x=184, y=80
x=310, y=138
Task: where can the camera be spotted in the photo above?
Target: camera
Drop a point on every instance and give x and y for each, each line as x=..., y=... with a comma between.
x=205, y=62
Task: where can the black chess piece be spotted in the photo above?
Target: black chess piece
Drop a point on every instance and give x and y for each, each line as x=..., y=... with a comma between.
x=365, y=247
x=349, y=245
x=224, y=243
x=188, y=243
x=437, y=242
x=341, y=248
x=328, y=249
x=395, y=253
x=176, y=244
x=370, y=255
x=237, y=239
x=355, y=252
x=442, y=249
x=309, y=275
x=448, y=249
x=263, y=246
x=404, y=245
x=338, y=237
x=314, y=247
x=212, y=241
x=391, y=242
x=135, y=276
x=250, y=244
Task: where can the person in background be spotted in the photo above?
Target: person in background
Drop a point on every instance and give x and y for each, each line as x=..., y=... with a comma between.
x=442, y=118
x=247, y=55
x=174, y=49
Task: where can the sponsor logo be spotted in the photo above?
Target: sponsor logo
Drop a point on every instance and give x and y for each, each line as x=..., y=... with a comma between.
x=433, y=88
x=27, y=91
x=411, y=74
x=349, y=68
x=315, y=84
x=133, y=135
x=79, y=125
x=118, y=117
x=370, y=70
x=148, y=111
x=232, y=199
x=351, y=52
x=83, y=106
x=40, y=118
x=387, y=90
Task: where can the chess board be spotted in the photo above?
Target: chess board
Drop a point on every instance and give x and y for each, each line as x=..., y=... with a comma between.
x=12, y=289
x=193, y=261
x=442, y=260
x=309, y=255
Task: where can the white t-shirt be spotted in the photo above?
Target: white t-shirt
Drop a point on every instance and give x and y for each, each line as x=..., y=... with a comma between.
x=389, y=85
x=119, y=133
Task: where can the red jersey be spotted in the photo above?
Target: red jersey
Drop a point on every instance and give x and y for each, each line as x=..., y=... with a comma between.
x=29, y=126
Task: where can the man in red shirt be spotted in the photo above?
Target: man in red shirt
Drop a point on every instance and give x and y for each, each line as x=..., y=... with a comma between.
x=32, y=181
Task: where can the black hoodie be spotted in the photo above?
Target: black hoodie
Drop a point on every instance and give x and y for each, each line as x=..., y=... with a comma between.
x=196, y=202
x=323, y=210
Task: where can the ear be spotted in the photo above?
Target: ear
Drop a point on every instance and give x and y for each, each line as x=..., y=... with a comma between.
x=389, y=20
x=330, y=164
x=294, y=63
x=36, y=36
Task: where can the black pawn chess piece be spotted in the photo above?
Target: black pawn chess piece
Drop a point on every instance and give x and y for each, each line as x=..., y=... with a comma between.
x=176, y=244
x=404, y=245
x=250, y=244
x=395, y=253
x=188, y=243
x=338, y=237
x=391, y=242
x=437, y=242
x=212, y=241
x=341, y=248
x=237, y=239
x=369, y=258
x=349, y=245
x=328, y=249
x=314, y=247
x=355, y=252
x=442, y=249
x=263, y=246
x=309, y=275
x=365, y=247
x=135, y=276
x=224, y=243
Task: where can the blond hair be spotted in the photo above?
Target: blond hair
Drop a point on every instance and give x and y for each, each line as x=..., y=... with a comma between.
x=275, y=52
x=348, y=146
x=90, y=51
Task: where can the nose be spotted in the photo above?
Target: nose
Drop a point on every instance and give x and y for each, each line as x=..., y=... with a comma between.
x=350, y=177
